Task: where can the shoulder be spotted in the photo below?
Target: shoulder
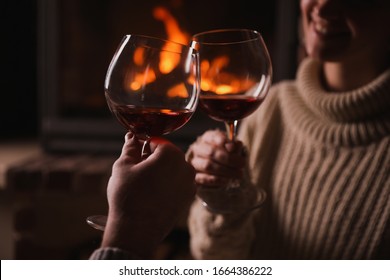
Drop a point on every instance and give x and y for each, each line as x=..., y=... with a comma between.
x=281, y=88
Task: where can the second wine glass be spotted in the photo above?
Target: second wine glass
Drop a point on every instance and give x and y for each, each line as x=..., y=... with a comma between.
x=152, y=87
x=236, y=74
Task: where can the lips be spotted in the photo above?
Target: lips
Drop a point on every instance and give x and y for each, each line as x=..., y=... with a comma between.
x=332, y=27
x=329, y=29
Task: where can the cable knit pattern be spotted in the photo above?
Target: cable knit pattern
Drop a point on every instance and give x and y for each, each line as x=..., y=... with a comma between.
x=324, y=159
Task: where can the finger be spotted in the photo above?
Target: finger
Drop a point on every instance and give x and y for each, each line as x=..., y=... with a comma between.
x=219, y=138
x=211, y=167
x=234, y=147
x=210, y=180
x=161, y=147
x=218, y=155
x=157, y=141
x=164, y=153
x=131, y=150
x=164, y=150
x=214, y=137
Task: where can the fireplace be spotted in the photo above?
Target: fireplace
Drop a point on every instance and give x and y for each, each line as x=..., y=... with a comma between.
x=78, y=38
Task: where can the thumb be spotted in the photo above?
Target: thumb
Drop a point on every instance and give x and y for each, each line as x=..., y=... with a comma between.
x=131, y=149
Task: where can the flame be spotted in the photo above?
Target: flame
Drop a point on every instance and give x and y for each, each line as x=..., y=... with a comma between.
x=168, y=61
x=174, y=33
x=142, y=78
x=139, y=56
x=178, y=91
x=215, y=79
x=172, y=27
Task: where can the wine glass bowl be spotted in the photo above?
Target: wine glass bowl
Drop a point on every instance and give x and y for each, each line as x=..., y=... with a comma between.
x=152, y=88
x=236, y=74
x=152, y=85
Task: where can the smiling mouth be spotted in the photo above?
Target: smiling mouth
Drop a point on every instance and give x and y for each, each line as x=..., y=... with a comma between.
x=326, y=30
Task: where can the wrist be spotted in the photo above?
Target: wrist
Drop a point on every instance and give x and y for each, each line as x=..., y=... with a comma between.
x=123, y=233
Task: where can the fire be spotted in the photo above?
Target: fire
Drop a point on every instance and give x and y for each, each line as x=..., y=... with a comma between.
x=226, y=83
x=168, y=62
x=174, y=33
x=139, y=56
x=172, y=27
x=178, y=90
x=142, y=78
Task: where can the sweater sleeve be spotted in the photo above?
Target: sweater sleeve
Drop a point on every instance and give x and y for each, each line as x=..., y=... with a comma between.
x=219, y=236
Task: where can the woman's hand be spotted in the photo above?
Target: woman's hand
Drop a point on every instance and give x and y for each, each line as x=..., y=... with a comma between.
x=216, y=159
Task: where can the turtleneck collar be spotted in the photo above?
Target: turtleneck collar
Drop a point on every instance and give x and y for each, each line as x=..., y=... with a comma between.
x=352, y=118
x=364, y=103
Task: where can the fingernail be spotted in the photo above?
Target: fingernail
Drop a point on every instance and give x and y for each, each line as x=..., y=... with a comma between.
x=128, y=136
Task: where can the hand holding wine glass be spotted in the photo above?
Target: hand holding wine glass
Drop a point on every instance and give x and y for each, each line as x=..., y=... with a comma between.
x=144, y=203
x=236, y=74
x=152, y=87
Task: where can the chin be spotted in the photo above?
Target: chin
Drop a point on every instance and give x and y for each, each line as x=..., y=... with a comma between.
x=327, y=50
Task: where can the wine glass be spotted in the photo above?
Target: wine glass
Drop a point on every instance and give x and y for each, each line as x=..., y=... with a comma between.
x=152, y=88
x=236, y=74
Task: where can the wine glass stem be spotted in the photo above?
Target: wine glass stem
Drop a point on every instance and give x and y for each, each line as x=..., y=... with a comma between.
x=145, y=149
x=231, y=128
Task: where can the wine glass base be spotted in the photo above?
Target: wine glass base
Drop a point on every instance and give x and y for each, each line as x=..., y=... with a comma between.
x=97, y=222
x=232, y=200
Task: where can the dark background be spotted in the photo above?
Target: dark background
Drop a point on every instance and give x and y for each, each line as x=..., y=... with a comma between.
x=19, y=115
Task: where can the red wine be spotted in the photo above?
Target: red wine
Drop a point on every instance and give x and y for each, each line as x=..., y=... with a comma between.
x=150, y=121
x=229, y=107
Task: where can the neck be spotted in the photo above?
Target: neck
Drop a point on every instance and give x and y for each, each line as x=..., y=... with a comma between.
x=337, y=77
x=344, y=76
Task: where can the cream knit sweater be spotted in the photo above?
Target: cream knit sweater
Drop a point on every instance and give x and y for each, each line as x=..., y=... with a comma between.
x=324, y=160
